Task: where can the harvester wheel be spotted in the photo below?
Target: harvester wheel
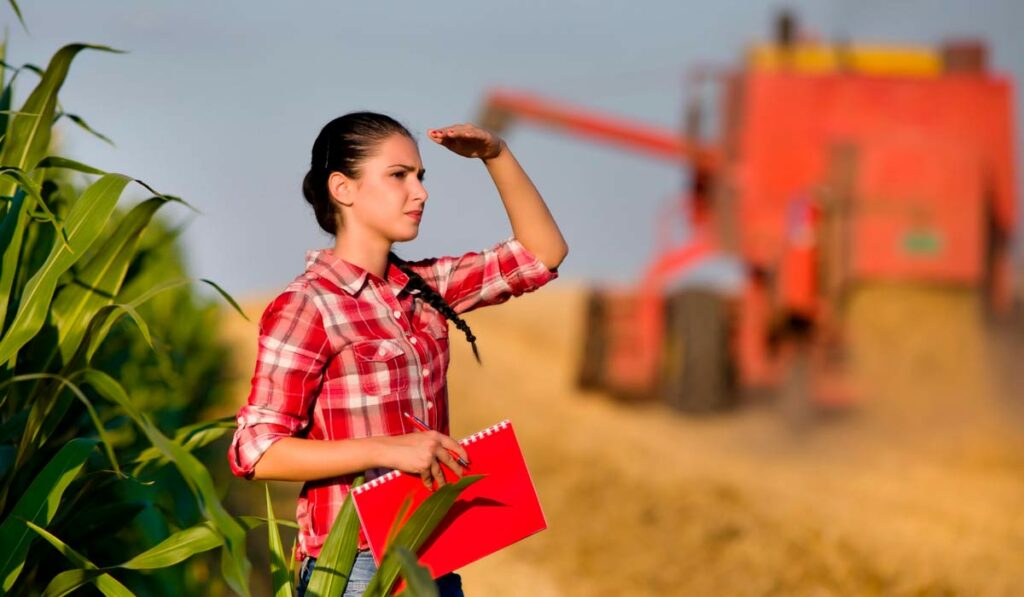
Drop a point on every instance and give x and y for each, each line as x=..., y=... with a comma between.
x=594, y=344
x=696, y=373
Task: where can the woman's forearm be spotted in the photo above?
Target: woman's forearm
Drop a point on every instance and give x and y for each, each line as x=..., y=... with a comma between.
x=299, y=459
x=532, y=223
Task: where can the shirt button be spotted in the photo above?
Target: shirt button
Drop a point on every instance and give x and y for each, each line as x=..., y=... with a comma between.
x=397, y=314
x=412, y=340
x=430, y=404
x=425, y=372
x=380, y=351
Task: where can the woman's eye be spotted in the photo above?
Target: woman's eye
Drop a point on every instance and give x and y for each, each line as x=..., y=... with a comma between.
x=399, y=174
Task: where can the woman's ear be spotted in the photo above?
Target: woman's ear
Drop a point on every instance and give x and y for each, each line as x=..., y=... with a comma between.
x=340, y=187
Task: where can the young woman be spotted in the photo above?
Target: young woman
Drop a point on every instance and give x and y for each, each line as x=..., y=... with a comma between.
x=361, y=337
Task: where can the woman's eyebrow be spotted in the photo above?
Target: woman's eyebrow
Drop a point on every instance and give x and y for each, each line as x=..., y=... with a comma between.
x=408, y=168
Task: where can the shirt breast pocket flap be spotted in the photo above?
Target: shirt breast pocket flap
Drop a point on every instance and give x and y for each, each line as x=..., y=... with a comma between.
x=381, y=366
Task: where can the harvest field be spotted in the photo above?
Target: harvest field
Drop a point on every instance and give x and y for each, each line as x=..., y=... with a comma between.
x=918, y=490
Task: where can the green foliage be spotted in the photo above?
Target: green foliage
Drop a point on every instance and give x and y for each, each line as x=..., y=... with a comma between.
x=74, y=377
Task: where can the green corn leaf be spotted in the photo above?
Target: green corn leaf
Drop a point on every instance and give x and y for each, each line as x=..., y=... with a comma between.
x=85, y=126
x=56, y=161
x=280, y=578
x=34, y=192
x=177, y=548
x=227, y=297
x=101, y=430
x=84, y=224
x=416, y=531
x=186, y=543
x=99, y=279
x=417, y=578
x=191, y=438
x=174, y=549
x=338, y=554
x=48, y=406
x=236, y=565
x=69, y=581
x=28, y=137
x=38, y=504
x=107, y=584
x=12, y=233
x=17, y=11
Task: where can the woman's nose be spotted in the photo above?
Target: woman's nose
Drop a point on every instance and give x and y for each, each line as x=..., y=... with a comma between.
x=419, y=191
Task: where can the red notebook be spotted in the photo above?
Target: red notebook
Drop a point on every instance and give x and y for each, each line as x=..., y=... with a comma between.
x=493, y=513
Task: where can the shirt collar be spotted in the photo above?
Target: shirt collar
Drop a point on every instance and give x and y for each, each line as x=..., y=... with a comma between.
x=350, y=277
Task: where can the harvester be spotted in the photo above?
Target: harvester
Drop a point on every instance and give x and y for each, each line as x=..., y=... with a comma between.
x=832, y=165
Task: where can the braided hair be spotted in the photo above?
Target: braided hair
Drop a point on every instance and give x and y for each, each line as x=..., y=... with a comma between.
x=342, y=146
x=435, y=300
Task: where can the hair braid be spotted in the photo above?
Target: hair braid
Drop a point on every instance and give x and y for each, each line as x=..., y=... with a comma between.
x=435, y=300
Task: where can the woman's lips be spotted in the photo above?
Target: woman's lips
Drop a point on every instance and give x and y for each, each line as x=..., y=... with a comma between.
x=416, y=215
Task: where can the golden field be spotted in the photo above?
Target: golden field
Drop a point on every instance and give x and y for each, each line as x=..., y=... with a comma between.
x=916, y=490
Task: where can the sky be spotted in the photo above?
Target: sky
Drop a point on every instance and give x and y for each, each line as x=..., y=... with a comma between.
x=219, y=103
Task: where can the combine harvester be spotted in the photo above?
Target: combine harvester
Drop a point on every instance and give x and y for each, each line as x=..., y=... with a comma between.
x=832, y=165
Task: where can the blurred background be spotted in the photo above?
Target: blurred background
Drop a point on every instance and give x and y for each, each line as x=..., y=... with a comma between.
x=780, y=358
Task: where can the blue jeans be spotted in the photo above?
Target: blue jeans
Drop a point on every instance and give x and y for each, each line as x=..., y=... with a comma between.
x=449, y=585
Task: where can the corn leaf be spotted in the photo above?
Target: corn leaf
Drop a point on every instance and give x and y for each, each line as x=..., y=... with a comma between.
x=85, y=126
x=107, y=584
x=101, y=430
x=55, y=161
x=280, y=579
x=12, y=233
x=236, y=564
x=17, y=11
x=28, y=136
x=191, y=438
x=337, y=556
x=99, y=279
x=417, y=578
x=227, y=297
x=84, y=224
x=69, y=581
x=38, y=504
x=416, y=531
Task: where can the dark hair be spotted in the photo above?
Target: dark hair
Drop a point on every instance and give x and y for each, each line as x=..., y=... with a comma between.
x=342, y=146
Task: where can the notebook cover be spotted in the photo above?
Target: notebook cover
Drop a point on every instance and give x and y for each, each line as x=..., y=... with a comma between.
x=495, y=512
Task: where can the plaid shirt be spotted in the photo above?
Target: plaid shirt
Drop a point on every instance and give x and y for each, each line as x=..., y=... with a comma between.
x=343, y=353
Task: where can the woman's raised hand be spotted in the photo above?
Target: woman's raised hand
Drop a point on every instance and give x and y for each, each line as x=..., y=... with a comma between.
x=422, y=454
x=468, y=140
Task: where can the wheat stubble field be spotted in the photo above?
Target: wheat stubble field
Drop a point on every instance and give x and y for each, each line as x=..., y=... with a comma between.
x=919, y=490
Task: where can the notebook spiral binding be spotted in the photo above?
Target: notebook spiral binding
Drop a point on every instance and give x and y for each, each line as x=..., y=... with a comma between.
x=465, y=442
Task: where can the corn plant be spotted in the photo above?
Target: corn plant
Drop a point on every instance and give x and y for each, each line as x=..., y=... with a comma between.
x=85, y=399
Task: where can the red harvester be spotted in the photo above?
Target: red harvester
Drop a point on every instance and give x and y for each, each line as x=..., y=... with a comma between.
x=832, y=165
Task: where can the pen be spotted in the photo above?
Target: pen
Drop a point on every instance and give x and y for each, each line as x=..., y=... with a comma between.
x=418, y=424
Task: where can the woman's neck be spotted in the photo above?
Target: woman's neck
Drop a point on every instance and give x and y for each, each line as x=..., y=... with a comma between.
x=371, y=254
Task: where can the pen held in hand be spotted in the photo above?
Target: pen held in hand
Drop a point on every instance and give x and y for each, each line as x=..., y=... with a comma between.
x=418, y=424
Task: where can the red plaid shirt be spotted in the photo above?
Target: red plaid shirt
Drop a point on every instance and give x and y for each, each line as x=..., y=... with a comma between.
x=343, y=353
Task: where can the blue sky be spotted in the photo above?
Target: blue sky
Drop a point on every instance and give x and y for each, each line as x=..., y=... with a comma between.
x=219, y=102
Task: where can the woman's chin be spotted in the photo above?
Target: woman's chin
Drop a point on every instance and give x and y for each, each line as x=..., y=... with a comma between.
x=406, y=235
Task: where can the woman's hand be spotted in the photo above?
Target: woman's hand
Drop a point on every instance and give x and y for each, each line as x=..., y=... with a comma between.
x=422, y=454
x=469, y=140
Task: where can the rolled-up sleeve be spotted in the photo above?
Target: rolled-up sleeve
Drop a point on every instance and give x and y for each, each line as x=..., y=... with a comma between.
x=293, y=351
x=487, y=277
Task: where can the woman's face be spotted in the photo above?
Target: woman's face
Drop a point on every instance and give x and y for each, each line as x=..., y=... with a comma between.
x=387, y=199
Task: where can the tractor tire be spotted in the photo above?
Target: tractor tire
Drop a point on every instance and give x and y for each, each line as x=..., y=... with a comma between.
x=696, y=374
x=592, y=358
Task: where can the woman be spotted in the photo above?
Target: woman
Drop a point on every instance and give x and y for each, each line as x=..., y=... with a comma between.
x=361, y=337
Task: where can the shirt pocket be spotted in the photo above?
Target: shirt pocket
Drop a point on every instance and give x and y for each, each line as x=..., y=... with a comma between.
x=381, y=367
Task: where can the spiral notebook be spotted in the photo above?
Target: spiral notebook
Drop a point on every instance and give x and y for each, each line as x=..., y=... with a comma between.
x=495, y=512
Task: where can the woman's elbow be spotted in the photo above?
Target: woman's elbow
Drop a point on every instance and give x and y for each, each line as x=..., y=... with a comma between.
x=555, y=256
